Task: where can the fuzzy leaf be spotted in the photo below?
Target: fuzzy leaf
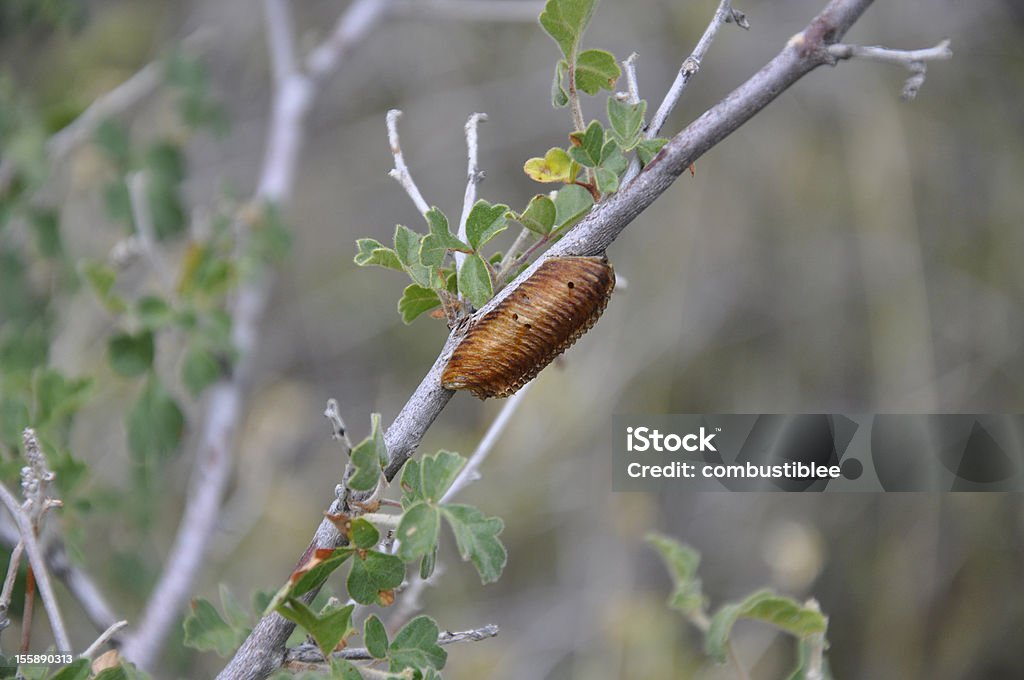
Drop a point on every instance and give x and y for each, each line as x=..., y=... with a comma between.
x=376, y=637
x=590, y=143
x=626, y=121
x=556, y=166
x=475, y=281
x=418, y=531
x=416, y=300
x=539, y=216
x=205, y=630
x=681, y=562
x=374, y=253
x=407, y=247
x=565, y=21
x=374, y=574
x=766, y=606
x=329, y=627
x=129, y=354
x=649, y=148
x=438, y=472
x=368, y=457
x=485, y=221
x=415, y=646
x=571, y=203
x=477, y=538
x=596, y=70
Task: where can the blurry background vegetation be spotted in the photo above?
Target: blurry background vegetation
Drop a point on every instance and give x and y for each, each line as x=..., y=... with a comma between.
x=844, y=251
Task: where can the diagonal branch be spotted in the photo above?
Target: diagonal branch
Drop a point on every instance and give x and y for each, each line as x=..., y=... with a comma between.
x=473, y=178
x=263, y=650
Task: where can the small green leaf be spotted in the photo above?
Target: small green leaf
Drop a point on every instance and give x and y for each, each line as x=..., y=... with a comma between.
x=649, y=148
x=590, y=143
x=363, y=534
x=131, y=355
x=328, y=628
x=565, y=21
x=205, y=630
x=155, y=423
x=199, y=370
x=310, y=575
x=556, y=166
x=373, y=575
x=477, y=538
x=375, y=637
x=412, y=483
x=438, y=472
x=682, y=562
x=766, y=606
x=415, y=646
x=539, y=216
x=368, y=458
x=153, y=312
x=612, y=158
x=407, y=247
x=439, y=241
x=571, y=203
x=418, y=531
x=485, y=221
x=596, y=70
x=626, y=121
x=475, y=281
x=559, y=97
x=607, y=181
x=416, y=300
x=374, y=253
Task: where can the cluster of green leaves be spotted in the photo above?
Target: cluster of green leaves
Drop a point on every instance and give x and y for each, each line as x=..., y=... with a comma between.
x=805, y=623
x=424, y=483
x=587, y=70
x=598, y=152
x=425, y=257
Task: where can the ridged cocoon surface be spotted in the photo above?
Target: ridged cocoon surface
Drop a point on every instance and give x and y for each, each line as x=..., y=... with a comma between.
x=544, y=316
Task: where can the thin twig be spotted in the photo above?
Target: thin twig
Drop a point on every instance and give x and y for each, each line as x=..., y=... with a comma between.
x=293, y=97
x=143, y=217
x=338, y=430
x=38, y=563
x=692, y=64
x=471, y=472
x=506, y=261
x=734, y=661
x=78, y=583
x=473, y=177
x=400, y=173
x=632, y=88
x=9, y=579
x=104, y=637
x=915, y=61
x=725, y=13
